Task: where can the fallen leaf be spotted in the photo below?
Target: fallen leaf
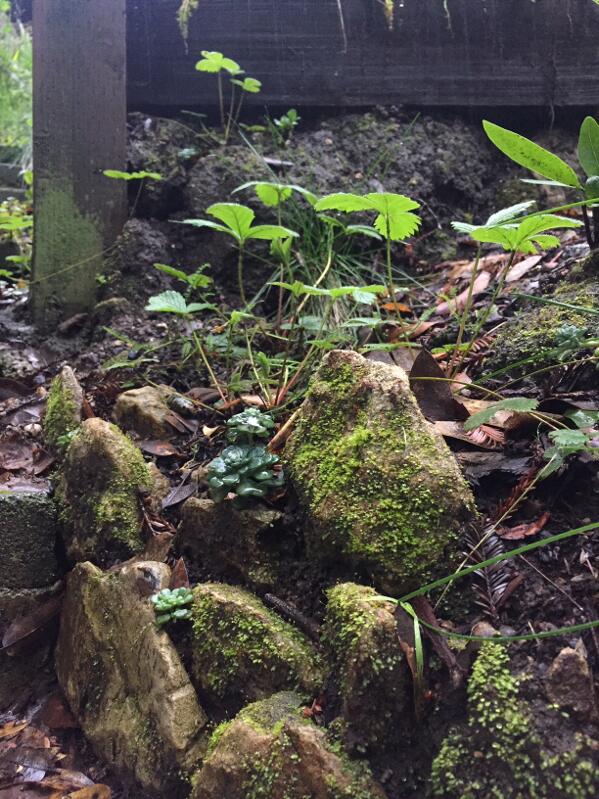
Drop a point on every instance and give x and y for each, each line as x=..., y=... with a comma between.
x=432, y=391
x=161, y=449
x=525, y=530
x=179, y=576
x=396, y=306
x=92, y=792
x=38, y=620
x=12, y=728
x=479, y=438
x=520, y=269
x=459, y=303
x=179, y=494
x=65, y=780
x=16, y=452
x=181, y=424
x=56, y=715
x=12, y=388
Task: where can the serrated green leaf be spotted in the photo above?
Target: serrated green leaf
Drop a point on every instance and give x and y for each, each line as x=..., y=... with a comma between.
x=582, y=418
x=532, y=156
x=206, y=223
x=171, y=271
x=588, y=146
x=167, y=302
x=569, y=439
x=516, y=404
x=213, y=61
x=272, y=194
x=250, y=85
x=508, y=214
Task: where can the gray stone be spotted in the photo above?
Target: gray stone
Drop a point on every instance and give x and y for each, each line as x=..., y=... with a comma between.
x=124, y=680
x=569, y=682
x=144, y=411
x=229, y=541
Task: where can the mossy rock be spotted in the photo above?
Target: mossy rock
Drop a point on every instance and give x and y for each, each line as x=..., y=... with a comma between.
x=242, y=651
x=533, y=335
x=369, y=667
x=28, y=531
x=98, y=493
x=380, y=489
x=231, y=542
x=499, y=754
x=63, y=409
x=270, y=752
x=124, y=680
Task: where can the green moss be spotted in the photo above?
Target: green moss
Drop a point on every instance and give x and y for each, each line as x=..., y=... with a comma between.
x=377, y=478
x=499, y=753
x=63, y=413
x=99, y=494
x=244, y=651
x=532, y=335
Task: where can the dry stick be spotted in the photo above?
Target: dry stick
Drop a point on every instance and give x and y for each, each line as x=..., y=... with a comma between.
x=200, y=349
x=551, y=582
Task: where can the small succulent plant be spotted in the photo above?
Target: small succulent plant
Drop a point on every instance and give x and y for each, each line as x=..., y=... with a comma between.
x=172, y=605
x=249, y=424
x=245, y=470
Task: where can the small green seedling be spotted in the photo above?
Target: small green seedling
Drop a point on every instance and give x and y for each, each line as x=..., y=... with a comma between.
x=195, y=280
x=245, y=470
x=216, y=63
x=394, y=220
x=282, y=127
x=237, y=221
x=249, y=424
x=555, y=171
x=172, y=605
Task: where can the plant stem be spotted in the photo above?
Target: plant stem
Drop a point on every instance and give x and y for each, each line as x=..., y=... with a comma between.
x=229, y=120
x=587, y=227
x=209, y=369
x=221, y=101
x=463, y=321
x=240, y=275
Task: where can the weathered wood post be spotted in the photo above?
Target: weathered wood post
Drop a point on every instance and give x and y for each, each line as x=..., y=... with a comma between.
x=79, y=129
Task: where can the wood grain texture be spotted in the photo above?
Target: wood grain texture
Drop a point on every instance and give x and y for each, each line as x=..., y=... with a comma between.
x=458, y=53
x=79, y=107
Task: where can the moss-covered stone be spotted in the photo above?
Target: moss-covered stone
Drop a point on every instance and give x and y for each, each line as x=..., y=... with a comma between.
x=270, y=752
x=369, y=666
x=243, y=652
x=63, y=409
x=499, y=754
x=379, y=487
x=533, y=335
x=124, y=680
x=98, y=491
x=27, y=540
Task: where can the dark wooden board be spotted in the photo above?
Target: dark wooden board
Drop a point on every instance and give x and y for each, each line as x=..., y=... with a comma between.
x=79, y=129
x=457, y=53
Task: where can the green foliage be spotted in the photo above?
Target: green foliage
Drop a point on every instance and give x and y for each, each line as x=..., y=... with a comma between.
x=117, y=174
x=184, y=14
x=249, y=424
x=214, y=62
x=526, y=153
x=362, y=294
x=172, y=605
x=245, y=470
x=15, y=88
x=273, y=195
x=588, y=147
x=527, y=235
x=174, y=302
x=394, y=218
x=517, y=404
x=195, y=280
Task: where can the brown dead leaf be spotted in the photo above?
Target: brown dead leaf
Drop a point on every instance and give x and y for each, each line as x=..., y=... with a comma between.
x=12, y=728
x=179, y=494
x=179, y=576
x=39, y=620
x=160, y=449
x=396, y=306
x=65, y=780
x=459, y=303
x=16, y=452
x=525, y=530
x=481, y=437
x=56, y=715
x=520, y=269
x=432, y=391
x=91, y=792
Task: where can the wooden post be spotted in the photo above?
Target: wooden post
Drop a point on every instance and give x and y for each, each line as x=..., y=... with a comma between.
x=79, y=129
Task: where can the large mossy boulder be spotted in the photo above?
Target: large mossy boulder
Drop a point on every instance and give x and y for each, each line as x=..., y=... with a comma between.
x=269, y=751
x=123, y=678
x=369, y=667
x=380, y=489
x=242, y=651
x=504, y=749
x=64, y=408
x=103, y=473
x=231, y=542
